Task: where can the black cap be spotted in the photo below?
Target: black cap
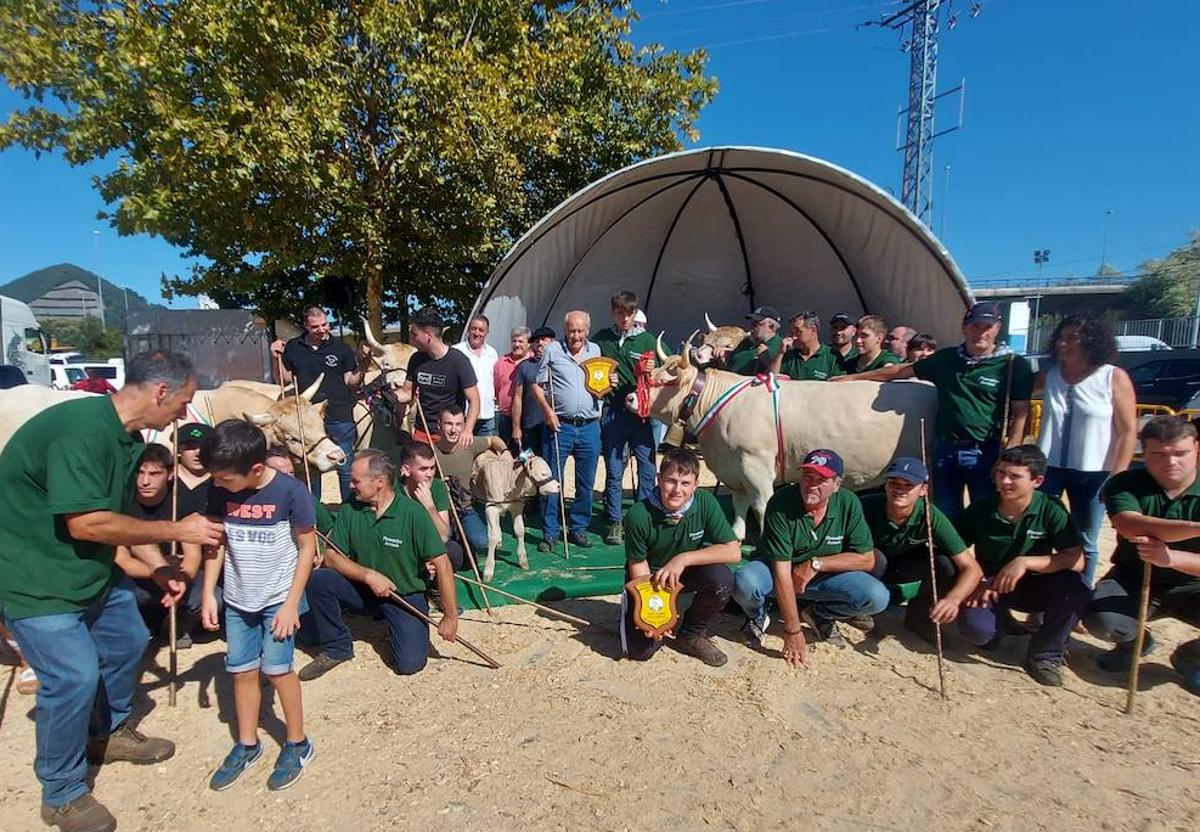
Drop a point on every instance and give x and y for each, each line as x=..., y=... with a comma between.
x=763, y=312
x=841, y=319
x=907, y=468
x=986, y=312
x=542, y=332
x=194, y=433
x=428, y=316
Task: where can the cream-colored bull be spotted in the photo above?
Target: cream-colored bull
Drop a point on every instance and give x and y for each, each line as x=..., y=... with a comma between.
x=867, y=423
x=504, y=484
x=718, y=340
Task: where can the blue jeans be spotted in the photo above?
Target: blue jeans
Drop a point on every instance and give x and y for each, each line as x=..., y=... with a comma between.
x=329, y=592
x=1061, y=597
x=583, y=443
x=833, y=595
x=486, y=427
x=87, y=667
x=1083, y=493
x=504, y=430
x=959, y=464
x=251, y=645
x=344, y=435
x=476, y=529
x=620, y=427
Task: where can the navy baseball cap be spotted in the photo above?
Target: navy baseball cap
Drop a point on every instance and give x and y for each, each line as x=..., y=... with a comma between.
x=194, y=433
x=841, y=319
x=763, y=312
x=824, y=462
x=542, y=332
x=907, y=468
x=986, y=312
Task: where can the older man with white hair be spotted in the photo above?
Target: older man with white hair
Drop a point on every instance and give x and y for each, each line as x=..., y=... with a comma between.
x=572, y=425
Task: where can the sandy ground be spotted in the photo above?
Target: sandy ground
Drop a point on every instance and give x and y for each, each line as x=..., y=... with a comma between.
x=566, y=737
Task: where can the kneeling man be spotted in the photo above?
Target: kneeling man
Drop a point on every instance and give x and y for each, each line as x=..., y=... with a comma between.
x=1031, y=559
x=681, y=537
x=388, y=539
x=815, y=546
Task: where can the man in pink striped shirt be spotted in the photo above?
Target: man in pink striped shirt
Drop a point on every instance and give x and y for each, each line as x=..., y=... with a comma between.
x=505, y=371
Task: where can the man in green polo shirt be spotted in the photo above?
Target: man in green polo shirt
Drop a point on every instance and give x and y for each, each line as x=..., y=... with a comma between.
x=385, y=541
x=681, y=537
x=815, y=546
x=803, y=357
x=1031, y=558
x=757, y=351
x=974, y=381
x=841, y=341
x=869, y=334
x=626, y=342
x=67, y=476
x=1156, y=514
x=898, y=527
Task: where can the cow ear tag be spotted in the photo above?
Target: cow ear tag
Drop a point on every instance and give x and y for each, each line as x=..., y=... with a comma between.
x=654, y=609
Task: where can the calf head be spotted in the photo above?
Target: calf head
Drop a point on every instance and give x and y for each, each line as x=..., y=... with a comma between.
x=392, y=359
x=536, y=476
x=299, y=425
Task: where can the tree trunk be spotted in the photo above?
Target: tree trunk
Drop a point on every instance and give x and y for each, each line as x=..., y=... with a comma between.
x=375, y=296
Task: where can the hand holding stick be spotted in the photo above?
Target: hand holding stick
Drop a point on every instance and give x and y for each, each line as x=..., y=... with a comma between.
x=562, y=468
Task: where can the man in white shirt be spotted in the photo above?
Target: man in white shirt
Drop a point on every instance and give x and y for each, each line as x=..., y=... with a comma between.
x=483, y=358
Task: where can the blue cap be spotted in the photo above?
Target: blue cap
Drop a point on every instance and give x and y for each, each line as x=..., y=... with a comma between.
x=907, y=468
x=986, y=312
x=825, y=462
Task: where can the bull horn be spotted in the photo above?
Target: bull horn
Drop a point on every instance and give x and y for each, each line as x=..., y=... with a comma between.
x=312, y=388
x=708, y=322
x=370, y=336
x=658, y=348
x=686, y=360
x=260, y=419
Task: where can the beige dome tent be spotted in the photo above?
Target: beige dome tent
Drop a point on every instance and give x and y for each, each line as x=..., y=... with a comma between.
x=723, y=230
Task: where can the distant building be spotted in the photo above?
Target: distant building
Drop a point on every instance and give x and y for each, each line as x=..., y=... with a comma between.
x=73, y=300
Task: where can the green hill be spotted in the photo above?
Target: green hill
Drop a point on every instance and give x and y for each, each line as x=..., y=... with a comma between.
x=35, y=284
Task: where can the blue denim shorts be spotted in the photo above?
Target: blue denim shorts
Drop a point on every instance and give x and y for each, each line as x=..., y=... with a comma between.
x=250, y=644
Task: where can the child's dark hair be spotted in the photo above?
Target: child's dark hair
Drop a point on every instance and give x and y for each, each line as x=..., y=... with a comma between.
x=278, y=451
x=412, y=451
x=235, y=447
x=1027, y=456
x=679, y=461
x=157, y=454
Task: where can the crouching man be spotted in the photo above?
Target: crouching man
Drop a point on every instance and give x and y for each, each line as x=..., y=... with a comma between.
x=815, y=547
x=1031, y=559
x=680, y=536
x=386, y=540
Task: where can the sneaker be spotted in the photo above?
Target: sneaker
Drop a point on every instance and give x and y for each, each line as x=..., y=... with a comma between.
x=1186, y=661
x=865, y=623
x=319, y=666
x=1117, y=660
x=993, y=645
x=547, y=544
x=292, y=759
x=83, y=814
x=579, y=539
x=183, y=642
x=129, y=745
x=755, y=629
x=1046, y=672
x=702, y=648
x=615, y=535
x=234, y=765
x=827, y=631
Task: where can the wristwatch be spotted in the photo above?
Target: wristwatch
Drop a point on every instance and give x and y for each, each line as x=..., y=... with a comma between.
x=816, y=564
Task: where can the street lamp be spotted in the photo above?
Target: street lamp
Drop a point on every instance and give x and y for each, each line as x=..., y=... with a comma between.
x=1041, y=256
x=99, y=278
x=1104, y=245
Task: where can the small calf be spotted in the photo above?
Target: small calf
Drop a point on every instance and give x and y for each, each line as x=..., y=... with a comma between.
x=503, y=484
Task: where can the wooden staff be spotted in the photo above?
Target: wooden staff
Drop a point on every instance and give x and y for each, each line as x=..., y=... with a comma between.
x=1007, y=402
x=562, y=467
x=410, y=608
x=462, y=535
x=519, y=599
x=299, y=422
x=172, y=614
x=937, y=627
x=1139, y=639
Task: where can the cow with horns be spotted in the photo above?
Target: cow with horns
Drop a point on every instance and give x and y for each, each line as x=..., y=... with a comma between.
x=754, y=432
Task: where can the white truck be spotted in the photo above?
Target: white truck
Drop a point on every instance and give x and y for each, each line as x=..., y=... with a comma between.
x=22, y=342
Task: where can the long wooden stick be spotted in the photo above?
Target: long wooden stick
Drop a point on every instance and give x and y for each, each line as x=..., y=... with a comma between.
x=562, y=469
x=299, y=423
x=519, y=599
x=462, y=535
x=399, y=600
x=937, y=627
x=172, y=614
x=1139, y=639
x=1007, y=402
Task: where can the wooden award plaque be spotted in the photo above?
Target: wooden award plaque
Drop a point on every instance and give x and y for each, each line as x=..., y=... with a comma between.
x=654, y=610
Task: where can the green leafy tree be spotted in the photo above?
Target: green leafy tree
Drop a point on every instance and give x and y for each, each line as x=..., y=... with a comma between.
x=1166, y=287
x=85, y=335
x=401, y=144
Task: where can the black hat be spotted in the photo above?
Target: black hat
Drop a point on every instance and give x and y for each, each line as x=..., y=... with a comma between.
x=986, y=312
x=542, y=332
x=428, y=316
x=841, y=319
x=907, y=468
x=764, y=312
x=194, y=433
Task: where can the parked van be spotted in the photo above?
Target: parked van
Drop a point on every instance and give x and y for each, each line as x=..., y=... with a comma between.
x=22, y=342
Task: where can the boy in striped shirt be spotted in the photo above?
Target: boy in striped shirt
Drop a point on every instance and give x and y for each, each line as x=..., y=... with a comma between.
x=267, y=557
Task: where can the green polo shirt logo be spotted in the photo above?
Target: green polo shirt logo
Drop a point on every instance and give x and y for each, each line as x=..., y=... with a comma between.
x=393, y=542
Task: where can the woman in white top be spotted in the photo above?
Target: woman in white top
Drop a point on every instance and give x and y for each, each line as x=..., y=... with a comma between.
x=1089, y=423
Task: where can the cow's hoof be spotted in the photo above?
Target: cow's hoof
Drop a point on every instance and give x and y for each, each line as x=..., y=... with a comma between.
x=524, y=564
x=487, y=576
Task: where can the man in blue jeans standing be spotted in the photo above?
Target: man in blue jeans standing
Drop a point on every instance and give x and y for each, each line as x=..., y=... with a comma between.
x=815, y=547
x=317, y=352
x=572, y=426
x=75, y=619
x=977, y=382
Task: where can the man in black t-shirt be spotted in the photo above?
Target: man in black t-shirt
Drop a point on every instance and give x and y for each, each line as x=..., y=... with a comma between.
x=306, y=357
x=193, y=479
x=441, y=376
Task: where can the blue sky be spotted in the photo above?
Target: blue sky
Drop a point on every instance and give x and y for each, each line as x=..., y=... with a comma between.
x=1073, y=109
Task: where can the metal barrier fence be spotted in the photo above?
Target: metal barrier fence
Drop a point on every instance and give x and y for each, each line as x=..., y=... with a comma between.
x=1144, y=411
x=1175, y=332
